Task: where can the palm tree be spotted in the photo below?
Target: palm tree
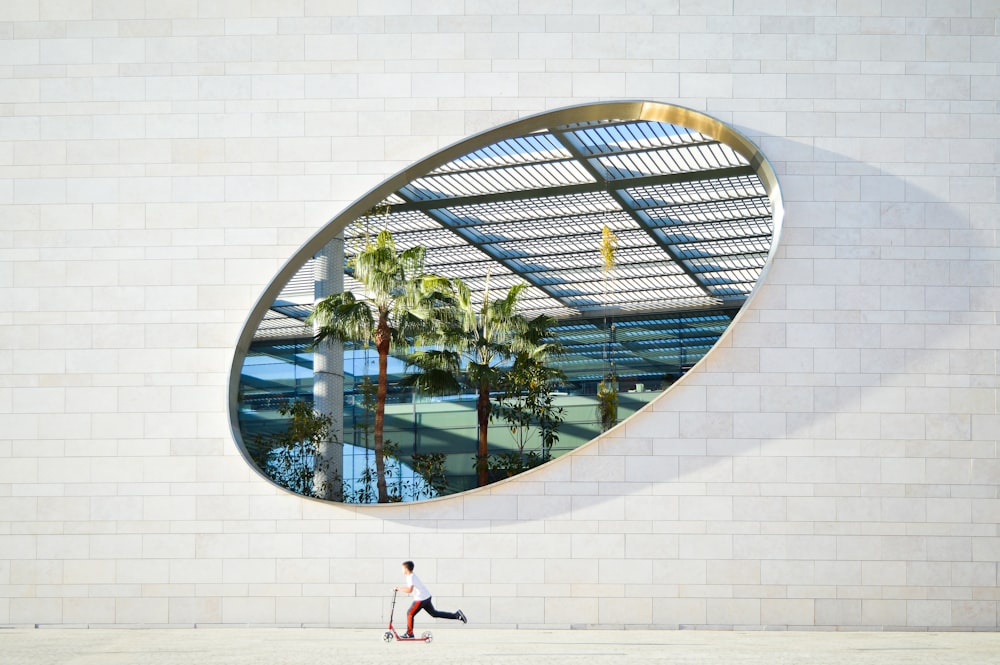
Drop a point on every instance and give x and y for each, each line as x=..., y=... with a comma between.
x=396, y=307
x=485, y=337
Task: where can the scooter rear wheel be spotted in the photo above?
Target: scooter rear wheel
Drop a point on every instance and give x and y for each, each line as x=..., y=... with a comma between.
x=427, y=637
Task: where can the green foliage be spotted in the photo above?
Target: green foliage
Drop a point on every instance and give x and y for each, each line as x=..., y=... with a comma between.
x=527, y=404
x=364, y=488
x=398, y=307
x=293, y=455
x=507, y=465
x=292, y=452
x=439, y=372
x=430, y=467
x=486, y=336
x=607, y=404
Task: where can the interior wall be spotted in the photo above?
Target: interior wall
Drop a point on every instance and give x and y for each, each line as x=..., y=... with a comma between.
x=832, y=464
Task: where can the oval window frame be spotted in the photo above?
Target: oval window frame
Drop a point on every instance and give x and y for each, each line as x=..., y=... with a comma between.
x=637, y=110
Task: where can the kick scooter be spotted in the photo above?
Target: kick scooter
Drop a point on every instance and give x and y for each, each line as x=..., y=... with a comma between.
x=388, y=635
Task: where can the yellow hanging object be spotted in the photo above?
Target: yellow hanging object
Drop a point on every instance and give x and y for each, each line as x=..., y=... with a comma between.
x=609, y=247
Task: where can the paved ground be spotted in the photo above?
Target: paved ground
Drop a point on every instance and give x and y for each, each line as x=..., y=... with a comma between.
x=466, y=646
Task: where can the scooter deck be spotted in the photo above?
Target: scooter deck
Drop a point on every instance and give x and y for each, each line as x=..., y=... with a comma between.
x=391, y=635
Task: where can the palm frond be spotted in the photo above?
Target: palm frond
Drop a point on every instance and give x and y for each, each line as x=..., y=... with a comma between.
x=343, y=318
x=439, y=371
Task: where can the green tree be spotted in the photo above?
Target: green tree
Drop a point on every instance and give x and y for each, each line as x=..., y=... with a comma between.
x=430, y=468
x=292, y=451
x=475, y=341
x=526, y=404
x=397, y=306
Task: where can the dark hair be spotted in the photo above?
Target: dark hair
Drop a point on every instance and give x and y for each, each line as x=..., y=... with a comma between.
x=408, y=565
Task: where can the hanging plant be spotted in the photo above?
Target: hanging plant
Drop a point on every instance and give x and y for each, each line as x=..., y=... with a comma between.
x=607, y=404
x=607, y=389
x=609, y=248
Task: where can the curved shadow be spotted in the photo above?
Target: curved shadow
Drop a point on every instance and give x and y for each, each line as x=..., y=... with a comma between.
x=888, y=357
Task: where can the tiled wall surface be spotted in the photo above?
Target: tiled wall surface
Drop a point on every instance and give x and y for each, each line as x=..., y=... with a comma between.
x=832, y=465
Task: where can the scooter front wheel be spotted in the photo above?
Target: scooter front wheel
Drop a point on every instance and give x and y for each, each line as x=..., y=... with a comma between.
x=427, y=637
x=387, y=636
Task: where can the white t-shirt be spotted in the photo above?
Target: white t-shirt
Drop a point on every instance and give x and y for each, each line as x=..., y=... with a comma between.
x=420, y=592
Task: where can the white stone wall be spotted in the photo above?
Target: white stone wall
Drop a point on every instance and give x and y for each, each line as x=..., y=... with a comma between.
x=833, y=464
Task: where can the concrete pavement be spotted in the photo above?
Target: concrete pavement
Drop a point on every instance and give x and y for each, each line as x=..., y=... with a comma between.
x=460, y=645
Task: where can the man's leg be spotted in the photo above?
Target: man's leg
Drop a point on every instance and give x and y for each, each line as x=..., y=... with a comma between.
x=437, y=614
x=412, y=612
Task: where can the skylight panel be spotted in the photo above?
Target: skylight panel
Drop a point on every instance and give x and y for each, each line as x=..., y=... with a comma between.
x=539, y=147
x=631, y=136
x=619, y=222
x=748, y=246
x=431, y=239
x=545, y=207
x=717, y=263
x=720, y=230
x=738, y=209
x=695, y=191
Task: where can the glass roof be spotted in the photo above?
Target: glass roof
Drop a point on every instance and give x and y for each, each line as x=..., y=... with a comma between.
x=692, y=217
x=693, y=221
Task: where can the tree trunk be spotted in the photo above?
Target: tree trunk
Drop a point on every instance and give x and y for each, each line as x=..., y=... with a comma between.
x=382, y=346
x=482, y=454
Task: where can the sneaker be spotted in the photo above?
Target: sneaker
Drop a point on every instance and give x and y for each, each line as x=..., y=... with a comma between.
x=462, y=617
x=407, y=636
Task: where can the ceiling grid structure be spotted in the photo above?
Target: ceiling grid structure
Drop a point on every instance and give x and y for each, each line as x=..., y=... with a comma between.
x=692, y=218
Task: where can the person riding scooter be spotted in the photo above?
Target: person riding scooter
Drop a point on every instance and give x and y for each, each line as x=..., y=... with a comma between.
x=421, y=600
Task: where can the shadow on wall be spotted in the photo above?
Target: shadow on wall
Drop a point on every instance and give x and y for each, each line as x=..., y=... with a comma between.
x=842, y=353
x=863, y=302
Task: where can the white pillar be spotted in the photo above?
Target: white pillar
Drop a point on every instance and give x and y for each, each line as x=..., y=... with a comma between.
x=328, y=375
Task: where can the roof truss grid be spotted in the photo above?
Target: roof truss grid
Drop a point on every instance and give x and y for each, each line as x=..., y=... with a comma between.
x=696, y=191
x=618, y=137
x=515, y=178
x=531, y=148
x=693, y=221
x=684, y=159
x=712, y=211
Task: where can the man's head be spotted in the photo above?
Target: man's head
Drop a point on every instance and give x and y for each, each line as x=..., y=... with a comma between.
x=408, y=566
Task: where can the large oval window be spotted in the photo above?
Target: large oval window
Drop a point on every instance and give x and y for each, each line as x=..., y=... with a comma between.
x=502, y=302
